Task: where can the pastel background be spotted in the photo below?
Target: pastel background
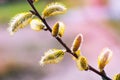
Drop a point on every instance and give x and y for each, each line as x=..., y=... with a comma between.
x=97, y=20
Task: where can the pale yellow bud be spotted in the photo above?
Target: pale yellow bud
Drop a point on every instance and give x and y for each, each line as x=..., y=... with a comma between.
x=77, y=42
x=61, y=29
x=58, y=29
x=82, y=63
x=116, y=77
x=37, y=25
x=19, y=21
x=53, y=56
x=53, y=9
x=55, y=29
x=104, y=58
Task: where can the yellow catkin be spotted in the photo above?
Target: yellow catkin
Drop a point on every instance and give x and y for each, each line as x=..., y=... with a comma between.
x=53, y=9
x=37, y=25
x=55, y=29
x=116, y=77
x=77, y=42
x=53, y=56
x=104, y=58
x=82, y=63
x=61, y=29
x=19, y=21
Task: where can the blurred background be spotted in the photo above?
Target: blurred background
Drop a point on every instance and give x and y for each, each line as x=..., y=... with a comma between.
x=97, y=20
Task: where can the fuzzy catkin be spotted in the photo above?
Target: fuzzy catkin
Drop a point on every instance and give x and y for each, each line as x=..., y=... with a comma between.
x=61, y=29
x=104, y=58
x=77, y=42
x=53, y=9
x=52, y=56
x=82, y=63
x=37, y=25
x=19, y=21
x=55, y=29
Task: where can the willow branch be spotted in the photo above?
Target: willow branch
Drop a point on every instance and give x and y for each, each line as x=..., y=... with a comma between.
x=35, y=12
x=99, y=73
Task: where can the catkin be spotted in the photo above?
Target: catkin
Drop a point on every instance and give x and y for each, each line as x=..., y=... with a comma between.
x=104, y=58
x=19, y=21
x=53, y=9
x=53, y=56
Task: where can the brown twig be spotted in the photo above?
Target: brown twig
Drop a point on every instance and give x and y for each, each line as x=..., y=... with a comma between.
x=35, y=12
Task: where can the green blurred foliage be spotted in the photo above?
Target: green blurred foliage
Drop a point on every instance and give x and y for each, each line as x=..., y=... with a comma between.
x=8, y=10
